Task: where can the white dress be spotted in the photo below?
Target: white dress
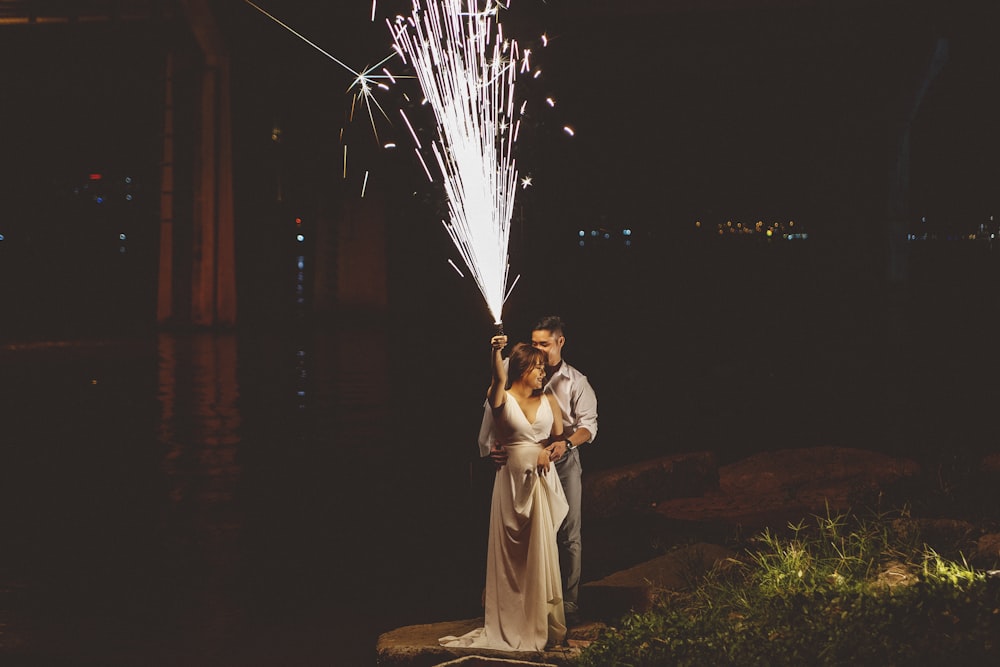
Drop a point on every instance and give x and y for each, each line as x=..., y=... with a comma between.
x=523, y=603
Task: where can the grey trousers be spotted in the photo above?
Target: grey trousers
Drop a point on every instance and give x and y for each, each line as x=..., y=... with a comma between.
x=570, y=474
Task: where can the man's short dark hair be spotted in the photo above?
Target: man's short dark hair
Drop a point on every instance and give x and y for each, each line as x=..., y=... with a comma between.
x=552, y=323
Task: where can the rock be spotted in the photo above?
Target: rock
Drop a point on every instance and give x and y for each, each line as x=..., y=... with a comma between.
x=417, y=646
x=638, y=588
x=479, y=661
x=946, y=536
x=639, y=486
x=895, y=573
x=774, y=488
x=737, y=512
x=991, y=464
x=987, y=551
x=797, y=472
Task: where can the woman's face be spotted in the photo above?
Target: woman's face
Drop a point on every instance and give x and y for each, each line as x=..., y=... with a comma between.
x=534, y=377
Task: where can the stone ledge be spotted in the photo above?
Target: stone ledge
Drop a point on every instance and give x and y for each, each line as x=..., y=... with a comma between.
x=480, y=661
x=417, y=646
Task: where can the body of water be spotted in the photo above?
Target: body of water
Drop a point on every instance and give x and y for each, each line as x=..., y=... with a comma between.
x=281, y=494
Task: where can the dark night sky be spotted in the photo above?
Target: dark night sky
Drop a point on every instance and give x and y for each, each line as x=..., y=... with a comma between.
x=781, y=111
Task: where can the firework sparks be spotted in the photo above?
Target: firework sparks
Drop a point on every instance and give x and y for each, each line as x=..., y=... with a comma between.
x=365, y=81
x=467, y=71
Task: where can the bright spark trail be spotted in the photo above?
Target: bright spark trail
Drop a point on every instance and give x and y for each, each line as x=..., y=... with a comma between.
x=467, y=71
x=365, y=80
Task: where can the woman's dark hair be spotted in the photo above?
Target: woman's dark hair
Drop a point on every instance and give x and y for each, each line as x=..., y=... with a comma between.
x=522, y=358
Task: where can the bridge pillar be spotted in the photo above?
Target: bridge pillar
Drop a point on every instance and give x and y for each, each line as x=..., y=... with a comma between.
x=212, y=253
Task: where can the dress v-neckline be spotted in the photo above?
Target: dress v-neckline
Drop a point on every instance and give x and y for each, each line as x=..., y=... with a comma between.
x=525, y=414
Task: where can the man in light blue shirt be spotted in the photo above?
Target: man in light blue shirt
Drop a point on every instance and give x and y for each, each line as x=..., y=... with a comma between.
x=578, y=404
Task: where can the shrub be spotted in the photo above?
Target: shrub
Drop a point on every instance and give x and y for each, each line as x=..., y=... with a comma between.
x=844, y=591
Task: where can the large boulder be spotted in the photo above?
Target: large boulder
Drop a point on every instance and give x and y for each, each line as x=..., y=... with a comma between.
x=798, y=472
x=786, y=485
x=640, y=587
x=637, y=487
x=987, y=552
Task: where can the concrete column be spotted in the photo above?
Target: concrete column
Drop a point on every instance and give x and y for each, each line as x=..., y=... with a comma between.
x=204, y=220
x=213, y=277
x=165, y=282
x=225, y=258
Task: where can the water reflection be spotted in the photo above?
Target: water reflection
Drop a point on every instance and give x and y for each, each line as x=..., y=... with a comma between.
x=201, y=498
x=199, y=433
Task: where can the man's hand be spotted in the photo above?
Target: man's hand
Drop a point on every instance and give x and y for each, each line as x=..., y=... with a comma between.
x=498, y=455
x=557, y=449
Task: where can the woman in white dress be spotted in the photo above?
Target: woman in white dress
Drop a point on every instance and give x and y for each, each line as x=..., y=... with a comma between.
x=523, y=596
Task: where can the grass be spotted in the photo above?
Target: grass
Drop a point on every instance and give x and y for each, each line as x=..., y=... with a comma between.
x=834, y=590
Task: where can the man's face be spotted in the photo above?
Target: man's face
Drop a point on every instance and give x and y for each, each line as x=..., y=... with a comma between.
x=549, y=343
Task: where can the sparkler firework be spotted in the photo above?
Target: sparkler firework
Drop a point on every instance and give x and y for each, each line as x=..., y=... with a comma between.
x=467, y=72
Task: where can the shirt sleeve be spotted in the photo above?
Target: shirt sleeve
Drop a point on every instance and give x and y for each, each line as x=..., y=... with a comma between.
x=486, y=436
x=586, y=408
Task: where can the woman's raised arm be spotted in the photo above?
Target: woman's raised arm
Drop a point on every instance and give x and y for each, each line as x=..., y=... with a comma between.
x=498, y=380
